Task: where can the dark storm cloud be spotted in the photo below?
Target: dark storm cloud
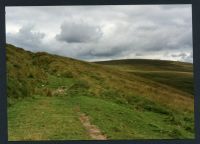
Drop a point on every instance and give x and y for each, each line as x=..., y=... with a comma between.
x=101, y=55
x=78, y=33
x=111, y=52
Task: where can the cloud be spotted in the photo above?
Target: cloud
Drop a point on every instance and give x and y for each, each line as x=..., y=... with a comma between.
x=26, y=38
x=104, y=52
x=104, y=32
x=186, y=57
x=79, y=32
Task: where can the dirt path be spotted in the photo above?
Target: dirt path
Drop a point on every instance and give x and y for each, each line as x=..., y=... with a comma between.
x=93, y=130
x=45, y=118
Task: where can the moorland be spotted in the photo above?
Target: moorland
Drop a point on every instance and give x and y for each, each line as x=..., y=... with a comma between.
x=51, y=97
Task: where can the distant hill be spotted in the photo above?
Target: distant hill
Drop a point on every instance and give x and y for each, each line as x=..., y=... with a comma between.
x=172, y=73
x=151, y=65
x=126, y=99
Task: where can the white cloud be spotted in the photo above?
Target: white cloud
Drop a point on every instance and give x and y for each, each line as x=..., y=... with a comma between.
x=104, y=32
x=26, y=37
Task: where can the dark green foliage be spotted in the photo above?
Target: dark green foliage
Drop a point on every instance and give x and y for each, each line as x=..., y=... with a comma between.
x=79, y=88
x=81, y=84
x=67, y=74
x=22, y=76
x=185, y=120
x=175, y=133
x=22, y=88
x=156, y=108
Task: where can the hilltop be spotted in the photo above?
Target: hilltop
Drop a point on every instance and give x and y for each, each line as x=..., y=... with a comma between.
x=150, y=64
x=126, y=99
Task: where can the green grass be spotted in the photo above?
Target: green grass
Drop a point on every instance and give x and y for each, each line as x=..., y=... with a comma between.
x=55, y=118
x=149, y=65
x=127, y=99
x=44, y=118
x=178, y=80
x=57, y=82
x=120, y=122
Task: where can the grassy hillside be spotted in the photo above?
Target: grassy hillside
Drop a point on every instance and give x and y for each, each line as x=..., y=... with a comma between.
x=150, y=65
x=177, y=75
x=122, y=99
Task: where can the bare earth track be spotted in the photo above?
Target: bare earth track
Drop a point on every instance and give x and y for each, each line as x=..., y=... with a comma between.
x=93, y=130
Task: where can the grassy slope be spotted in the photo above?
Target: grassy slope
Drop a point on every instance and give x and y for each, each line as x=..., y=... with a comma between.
x=179, y=80
x=44, y=118
x=140, y=108
x=150, y=65
x=178, y=75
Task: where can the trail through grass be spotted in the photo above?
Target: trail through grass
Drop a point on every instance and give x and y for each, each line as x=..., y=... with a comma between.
x=124, y=99
x=93, y=130
x=120, y=122
x=56, y=118
x=44, y=118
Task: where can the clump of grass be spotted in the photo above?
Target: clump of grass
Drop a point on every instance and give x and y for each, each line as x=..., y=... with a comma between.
x=114, y=95
x=47, y=92
x=67, y=74
x=97, y=77
x=79, y=88
x=175, y=133
x=80, y=85
x=185, y=121
x=42, y=59
x=22, y=88
x=135, y=101
x=156, y=108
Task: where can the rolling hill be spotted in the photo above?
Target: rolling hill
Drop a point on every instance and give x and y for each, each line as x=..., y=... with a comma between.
x=125, y=99
x=161, y=71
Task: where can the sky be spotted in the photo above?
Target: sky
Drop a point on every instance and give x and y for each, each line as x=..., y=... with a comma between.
x=96, y=33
